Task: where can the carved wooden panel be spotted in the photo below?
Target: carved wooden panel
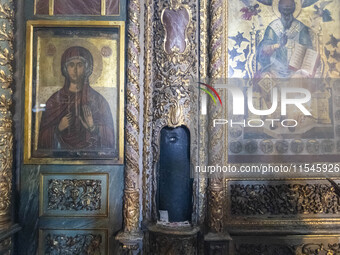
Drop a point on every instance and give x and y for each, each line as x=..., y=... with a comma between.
x=74, y=195
x=6, y=246
x=175, y=60
x=6, y=136
x=289, y=245
x=288, y=199
x=290, y=203
x=172, y=244
x=73, y=242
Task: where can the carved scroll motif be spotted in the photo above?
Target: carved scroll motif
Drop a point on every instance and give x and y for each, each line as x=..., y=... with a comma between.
x=131, y=223
x=131, y=209
x=6, y=136
x=216, y=203
x=166, y=244
x=305, y=249
x=283, y=199
x=78, y=244
x=173, y=68
x=203, y=150
x=131, y=236
x=174, y=65
x=6, y=245
x=75, y=195
x=148, y=110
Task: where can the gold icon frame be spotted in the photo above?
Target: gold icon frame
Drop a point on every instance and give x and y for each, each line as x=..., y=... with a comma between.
x=48, y=24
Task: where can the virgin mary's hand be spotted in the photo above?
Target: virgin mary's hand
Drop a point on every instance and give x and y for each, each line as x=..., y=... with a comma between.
x=65, y=122
x=88, y=117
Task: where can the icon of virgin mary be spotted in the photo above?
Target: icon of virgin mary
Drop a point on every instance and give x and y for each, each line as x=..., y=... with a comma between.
x=76, y=118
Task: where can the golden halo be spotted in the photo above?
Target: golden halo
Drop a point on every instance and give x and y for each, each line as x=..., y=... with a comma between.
x=298, y=8
x=96, y=54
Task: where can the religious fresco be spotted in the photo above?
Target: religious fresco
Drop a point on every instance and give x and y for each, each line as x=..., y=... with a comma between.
x=259, y=42
x=273, y=44
x=75, y=99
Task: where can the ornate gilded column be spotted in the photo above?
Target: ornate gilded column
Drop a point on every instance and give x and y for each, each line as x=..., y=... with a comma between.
x=215, y=133
x=6, y=135
x=203, y=133
x=132, y=236
x=217, y=239
x=148, y=110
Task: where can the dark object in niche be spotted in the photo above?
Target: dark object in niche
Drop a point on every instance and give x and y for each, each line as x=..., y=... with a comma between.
x=174, y=184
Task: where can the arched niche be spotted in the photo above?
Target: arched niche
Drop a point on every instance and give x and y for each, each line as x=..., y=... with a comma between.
x=174, y=185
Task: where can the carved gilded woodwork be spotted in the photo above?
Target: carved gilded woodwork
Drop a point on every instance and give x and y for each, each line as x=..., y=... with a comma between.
x=75, y=241
x=314, y=244
x=175, y=115
x=131, y=197
x=74, y=195
x=283, y=199
x=203, y=132
x=6, y=136
x=172, y=245
x=317, y=248
x=174, y=70
x=78, y=244
x=216, y=147
x=131, y=236
x=6, y=158
x=286, y=249
x=216, y=207
x=168, y=99
x=148, y=110
x=252, y=249
x=217, y=248
x=281, y=203
x=174, y=65
x=6, y=246
x=131, y=209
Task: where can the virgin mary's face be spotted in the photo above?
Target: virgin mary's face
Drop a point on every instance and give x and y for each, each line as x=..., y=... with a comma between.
x=76, y=70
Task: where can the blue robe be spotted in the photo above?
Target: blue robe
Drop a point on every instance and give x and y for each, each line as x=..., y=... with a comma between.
x=278, y=62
